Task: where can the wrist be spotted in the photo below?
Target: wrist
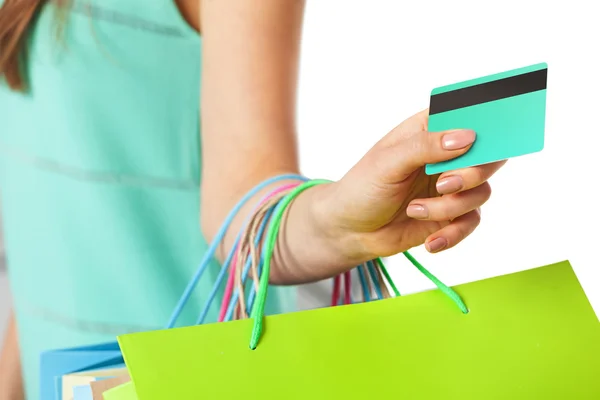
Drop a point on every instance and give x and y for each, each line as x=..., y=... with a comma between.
x=325, y=213
x=313, y=244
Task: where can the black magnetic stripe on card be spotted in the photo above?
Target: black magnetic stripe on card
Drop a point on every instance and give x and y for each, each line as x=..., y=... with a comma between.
x=489, y=91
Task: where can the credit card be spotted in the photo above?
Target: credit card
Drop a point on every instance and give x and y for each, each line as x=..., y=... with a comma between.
x=506, y=110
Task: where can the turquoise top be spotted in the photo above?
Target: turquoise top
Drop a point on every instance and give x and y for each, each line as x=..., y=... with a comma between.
x=100, y=175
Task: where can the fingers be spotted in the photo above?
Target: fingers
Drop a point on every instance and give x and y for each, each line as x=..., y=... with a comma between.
x=449, y=207
x=454, y=233
x=407, y=152
x=468, y=178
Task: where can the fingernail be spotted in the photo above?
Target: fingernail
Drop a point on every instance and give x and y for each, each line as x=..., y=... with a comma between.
x=436, y=245
x=457, y=140
x=449, y=184
x=417, y=211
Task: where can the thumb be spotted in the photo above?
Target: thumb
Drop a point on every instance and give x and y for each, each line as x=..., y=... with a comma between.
x=410, y=152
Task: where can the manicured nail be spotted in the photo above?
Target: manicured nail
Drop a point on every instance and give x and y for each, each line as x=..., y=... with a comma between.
x=457, y=140
x=436, y=245
x=417, y=211
x=449, y=184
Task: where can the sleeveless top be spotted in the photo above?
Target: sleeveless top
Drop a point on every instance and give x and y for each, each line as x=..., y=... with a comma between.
x=100, y=175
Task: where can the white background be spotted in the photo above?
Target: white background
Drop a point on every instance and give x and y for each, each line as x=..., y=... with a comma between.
x=367, y=65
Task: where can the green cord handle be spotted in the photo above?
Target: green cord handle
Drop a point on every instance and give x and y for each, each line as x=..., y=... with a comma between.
x=448, y=291
x=388, y=278
x=258, y=310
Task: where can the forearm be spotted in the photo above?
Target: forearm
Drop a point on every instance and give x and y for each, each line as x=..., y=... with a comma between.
x=11, y=383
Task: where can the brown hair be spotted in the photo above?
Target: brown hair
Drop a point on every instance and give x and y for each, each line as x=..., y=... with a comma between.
x=16, y=19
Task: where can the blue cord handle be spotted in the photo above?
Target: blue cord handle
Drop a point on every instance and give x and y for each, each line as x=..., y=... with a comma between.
x=373, y=275
x=218, y=281
x=363, y=284
x=215, y=243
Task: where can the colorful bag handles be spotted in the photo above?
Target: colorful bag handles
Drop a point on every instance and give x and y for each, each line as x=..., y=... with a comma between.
x=270, y=241
x=246, y=255
x=215, y=243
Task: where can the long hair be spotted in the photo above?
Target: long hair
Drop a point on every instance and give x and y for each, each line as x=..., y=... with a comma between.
x=16, y=20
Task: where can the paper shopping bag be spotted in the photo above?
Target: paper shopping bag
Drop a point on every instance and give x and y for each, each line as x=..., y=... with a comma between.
x=99, y=387
x=55, y=364
x=527, y=335
x=86, y=377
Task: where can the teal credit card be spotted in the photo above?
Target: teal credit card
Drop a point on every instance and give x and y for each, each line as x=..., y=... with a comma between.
x=506, y=110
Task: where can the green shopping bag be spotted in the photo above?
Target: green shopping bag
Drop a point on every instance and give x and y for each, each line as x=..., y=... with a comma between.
x=528, y=335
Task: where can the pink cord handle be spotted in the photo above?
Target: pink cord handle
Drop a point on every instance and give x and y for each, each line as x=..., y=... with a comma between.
x=335, y=295
x=231, y=279
x=347, y=287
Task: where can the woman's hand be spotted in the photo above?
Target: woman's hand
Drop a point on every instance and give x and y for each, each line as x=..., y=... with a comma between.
x=387, y=204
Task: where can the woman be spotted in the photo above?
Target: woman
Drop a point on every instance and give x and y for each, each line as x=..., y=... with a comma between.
x=115, y=170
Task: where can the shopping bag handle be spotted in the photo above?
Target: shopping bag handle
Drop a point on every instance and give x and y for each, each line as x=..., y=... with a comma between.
x=271, y=239
x=204, y=263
